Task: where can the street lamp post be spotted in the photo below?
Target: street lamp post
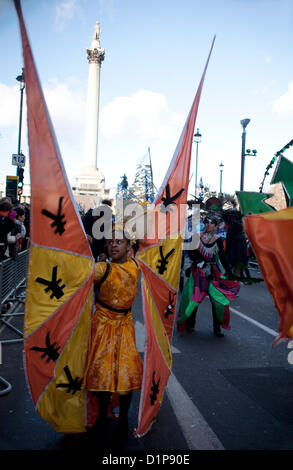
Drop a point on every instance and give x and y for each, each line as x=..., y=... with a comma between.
x=197, y=140
x=19, y=170
x=20, y=79
x=244, y=152
x=221, y=175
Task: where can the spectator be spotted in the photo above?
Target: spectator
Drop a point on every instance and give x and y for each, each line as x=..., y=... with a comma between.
x=236, y=247
x=98, y=246
x=16, y=236
x=27, y=225
x=6, y=225
x=20, y=220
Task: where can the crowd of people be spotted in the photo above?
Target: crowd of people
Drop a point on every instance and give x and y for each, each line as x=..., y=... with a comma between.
x=14, y=228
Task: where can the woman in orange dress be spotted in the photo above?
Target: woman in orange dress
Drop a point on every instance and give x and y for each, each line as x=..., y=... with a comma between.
x=114, y=364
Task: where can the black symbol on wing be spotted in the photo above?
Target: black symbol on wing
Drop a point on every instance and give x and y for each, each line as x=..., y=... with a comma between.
x=155, y=389
x=168, y=200
x=73, y=385
x=168, y=346
x=58, y=221
x=53, y=285
x=169, y=310
x=162, y=266
x=50, y=350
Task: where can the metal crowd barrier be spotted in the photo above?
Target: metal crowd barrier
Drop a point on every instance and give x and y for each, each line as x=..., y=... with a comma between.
x=12, y=279
x=12, y=276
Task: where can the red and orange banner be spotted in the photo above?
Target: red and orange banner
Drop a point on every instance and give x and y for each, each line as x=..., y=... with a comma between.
x=160, y=260
x=271, y=236
x=59, y=298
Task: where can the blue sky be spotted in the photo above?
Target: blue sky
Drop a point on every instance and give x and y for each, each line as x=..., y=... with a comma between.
x=155, y=52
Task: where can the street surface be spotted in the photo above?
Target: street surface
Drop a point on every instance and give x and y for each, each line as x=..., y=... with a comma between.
x=232, y=393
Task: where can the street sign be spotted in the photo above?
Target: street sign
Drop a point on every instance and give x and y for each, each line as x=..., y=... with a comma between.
x=18, y=159
x=11, y=186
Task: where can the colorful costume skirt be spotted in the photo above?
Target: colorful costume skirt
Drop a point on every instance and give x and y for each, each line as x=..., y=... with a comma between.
x=114, y=363
x=220, y=291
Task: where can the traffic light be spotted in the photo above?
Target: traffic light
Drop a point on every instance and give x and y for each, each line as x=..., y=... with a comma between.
x=20, y=172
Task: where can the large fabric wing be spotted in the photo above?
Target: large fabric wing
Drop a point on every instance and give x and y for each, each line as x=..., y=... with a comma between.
x=271, y=236
x=160, y=260
x=59, y=298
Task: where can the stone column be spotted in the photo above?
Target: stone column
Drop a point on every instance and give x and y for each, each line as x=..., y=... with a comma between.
x=95, y=56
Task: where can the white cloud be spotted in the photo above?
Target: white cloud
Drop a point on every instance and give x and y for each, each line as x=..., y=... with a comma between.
x=9, y=105
x=128, y=125
x=107, y=8
x=284, y=105
x=66, y=106
x=144, y=114
x=265, y=89
x=67, y=109
x=64, y=13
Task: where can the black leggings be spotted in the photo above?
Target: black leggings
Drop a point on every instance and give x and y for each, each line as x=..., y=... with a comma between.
x=190, y=322
x=104, y=402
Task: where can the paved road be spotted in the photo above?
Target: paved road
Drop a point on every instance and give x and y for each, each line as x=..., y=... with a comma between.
x=230, y=393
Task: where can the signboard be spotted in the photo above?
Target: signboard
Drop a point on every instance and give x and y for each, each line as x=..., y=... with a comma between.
x=18, y=159
x=11, y=186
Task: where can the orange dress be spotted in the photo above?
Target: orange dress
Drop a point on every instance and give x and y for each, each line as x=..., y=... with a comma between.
x=114, y=363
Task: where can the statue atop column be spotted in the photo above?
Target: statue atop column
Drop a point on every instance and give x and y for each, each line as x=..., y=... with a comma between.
x=97, y=33
x=96, y=54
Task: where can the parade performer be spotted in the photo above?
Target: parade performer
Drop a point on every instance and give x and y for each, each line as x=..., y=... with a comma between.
x=114, y=365
x=236, y=245
x=205, y=277
x=58, y=316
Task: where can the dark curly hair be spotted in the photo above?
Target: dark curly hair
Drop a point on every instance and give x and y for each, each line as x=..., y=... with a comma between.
x=5, y=205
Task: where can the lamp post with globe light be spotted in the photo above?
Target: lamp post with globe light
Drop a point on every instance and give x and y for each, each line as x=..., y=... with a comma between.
x=20, y=79
x=20, y=170
x=221, y=175
x=197, y=140
x=244, y=152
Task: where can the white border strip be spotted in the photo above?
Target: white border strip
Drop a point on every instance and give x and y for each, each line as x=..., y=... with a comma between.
x=196, y=431
x=254, y=322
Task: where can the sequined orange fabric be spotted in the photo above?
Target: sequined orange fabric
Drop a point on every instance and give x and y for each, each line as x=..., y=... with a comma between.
x=114, y=363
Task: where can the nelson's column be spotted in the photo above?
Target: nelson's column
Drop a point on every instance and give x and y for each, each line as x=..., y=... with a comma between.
x=90, y=180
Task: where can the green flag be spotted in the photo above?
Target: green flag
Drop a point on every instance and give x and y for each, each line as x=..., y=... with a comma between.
x=253, y=202
x=284, y=174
